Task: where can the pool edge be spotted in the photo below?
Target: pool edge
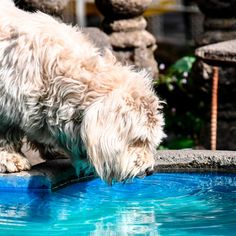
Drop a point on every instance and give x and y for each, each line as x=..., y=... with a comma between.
x=51, y=175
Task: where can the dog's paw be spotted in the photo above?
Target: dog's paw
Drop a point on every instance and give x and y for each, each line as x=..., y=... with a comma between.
x=13, y=162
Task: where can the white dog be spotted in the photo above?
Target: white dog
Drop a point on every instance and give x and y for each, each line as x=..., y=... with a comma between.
x=57, y=90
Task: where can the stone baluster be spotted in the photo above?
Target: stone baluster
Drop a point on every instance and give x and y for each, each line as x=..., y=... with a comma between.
x=219, y=25
x=54, y=7
x=125, y=25
x=219, y=22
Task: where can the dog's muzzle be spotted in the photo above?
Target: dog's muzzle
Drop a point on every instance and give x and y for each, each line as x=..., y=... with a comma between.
x=149, y=171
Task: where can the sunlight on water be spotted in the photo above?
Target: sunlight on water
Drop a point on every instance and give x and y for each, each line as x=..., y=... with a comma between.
x=162, y=204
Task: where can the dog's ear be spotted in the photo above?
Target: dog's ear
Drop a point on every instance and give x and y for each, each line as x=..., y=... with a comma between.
x=101, y=134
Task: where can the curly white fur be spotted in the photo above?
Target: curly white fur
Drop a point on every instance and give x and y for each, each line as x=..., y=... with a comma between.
x=59, y=91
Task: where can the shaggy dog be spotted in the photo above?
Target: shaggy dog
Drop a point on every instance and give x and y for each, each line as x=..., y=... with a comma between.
x=61, y=93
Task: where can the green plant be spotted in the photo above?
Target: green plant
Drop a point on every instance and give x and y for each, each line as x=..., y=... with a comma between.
x=177, y=74
x=184, y=110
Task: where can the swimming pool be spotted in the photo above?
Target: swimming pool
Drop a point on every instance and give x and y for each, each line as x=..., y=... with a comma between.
x=161, y=204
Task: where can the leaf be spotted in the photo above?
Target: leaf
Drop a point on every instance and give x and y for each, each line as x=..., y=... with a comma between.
x=181, y=143
x=182, y=65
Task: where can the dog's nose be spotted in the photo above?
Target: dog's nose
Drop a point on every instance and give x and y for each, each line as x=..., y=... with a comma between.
x=149, y=171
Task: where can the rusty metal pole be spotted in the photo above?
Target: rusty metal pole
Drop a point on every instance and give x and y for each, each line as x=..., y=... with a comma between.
x=214, y=108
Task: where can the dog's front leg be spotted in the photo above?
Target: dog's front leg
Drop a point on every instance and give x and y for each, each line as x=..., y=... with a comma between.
x=82, y=166
x=49, y=152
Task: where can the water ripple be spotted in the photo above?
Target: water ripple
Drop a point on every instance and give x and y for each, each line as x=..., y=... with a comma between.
x=162, y=204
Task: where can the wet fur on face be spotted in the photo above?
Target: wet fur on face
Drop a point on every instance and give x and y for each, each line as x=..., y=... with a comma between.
x=58, y=90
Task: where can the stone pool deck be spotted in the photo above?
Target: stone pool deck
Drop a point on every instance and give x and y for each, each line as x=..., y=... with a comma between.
x=44, y=176
x=51, y=175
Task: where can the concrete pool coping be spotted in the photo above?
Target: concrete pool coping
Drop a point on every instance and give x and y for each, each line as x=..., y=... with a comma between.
x=195, y=160
x=53, y=174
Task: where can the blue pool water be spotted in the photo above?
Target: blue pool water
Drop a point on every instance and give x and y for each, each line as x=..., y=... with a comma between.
x=162, y=204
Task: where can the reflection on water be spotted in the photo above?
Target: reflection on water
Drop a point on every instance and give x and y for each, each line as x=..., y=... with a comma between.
x=162, y=204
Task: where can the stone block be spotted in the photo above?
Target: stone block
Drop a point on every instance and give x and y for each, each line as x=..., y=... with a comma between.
x=124, y=25
x=114, y=9
x=132, y=39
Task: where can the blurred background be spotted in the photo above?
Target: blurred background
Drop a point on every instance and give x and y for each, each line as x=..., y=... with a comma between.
x=173, y=22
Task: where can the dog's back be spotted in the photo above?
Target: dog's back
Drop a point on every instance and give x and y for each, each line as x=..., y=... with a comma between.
x=39, y=26
x=6, y=3
x=22, y=21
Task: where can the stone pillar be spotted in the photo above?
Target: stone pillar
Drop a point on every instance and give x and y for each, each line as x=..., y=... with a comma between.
x=219, y=25
x=53, y=7
x=219, y=22
x=125, y=25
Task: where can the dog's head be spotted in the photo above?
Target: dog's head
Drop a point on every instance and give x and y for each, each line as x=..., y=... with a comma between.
x=122, y=130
